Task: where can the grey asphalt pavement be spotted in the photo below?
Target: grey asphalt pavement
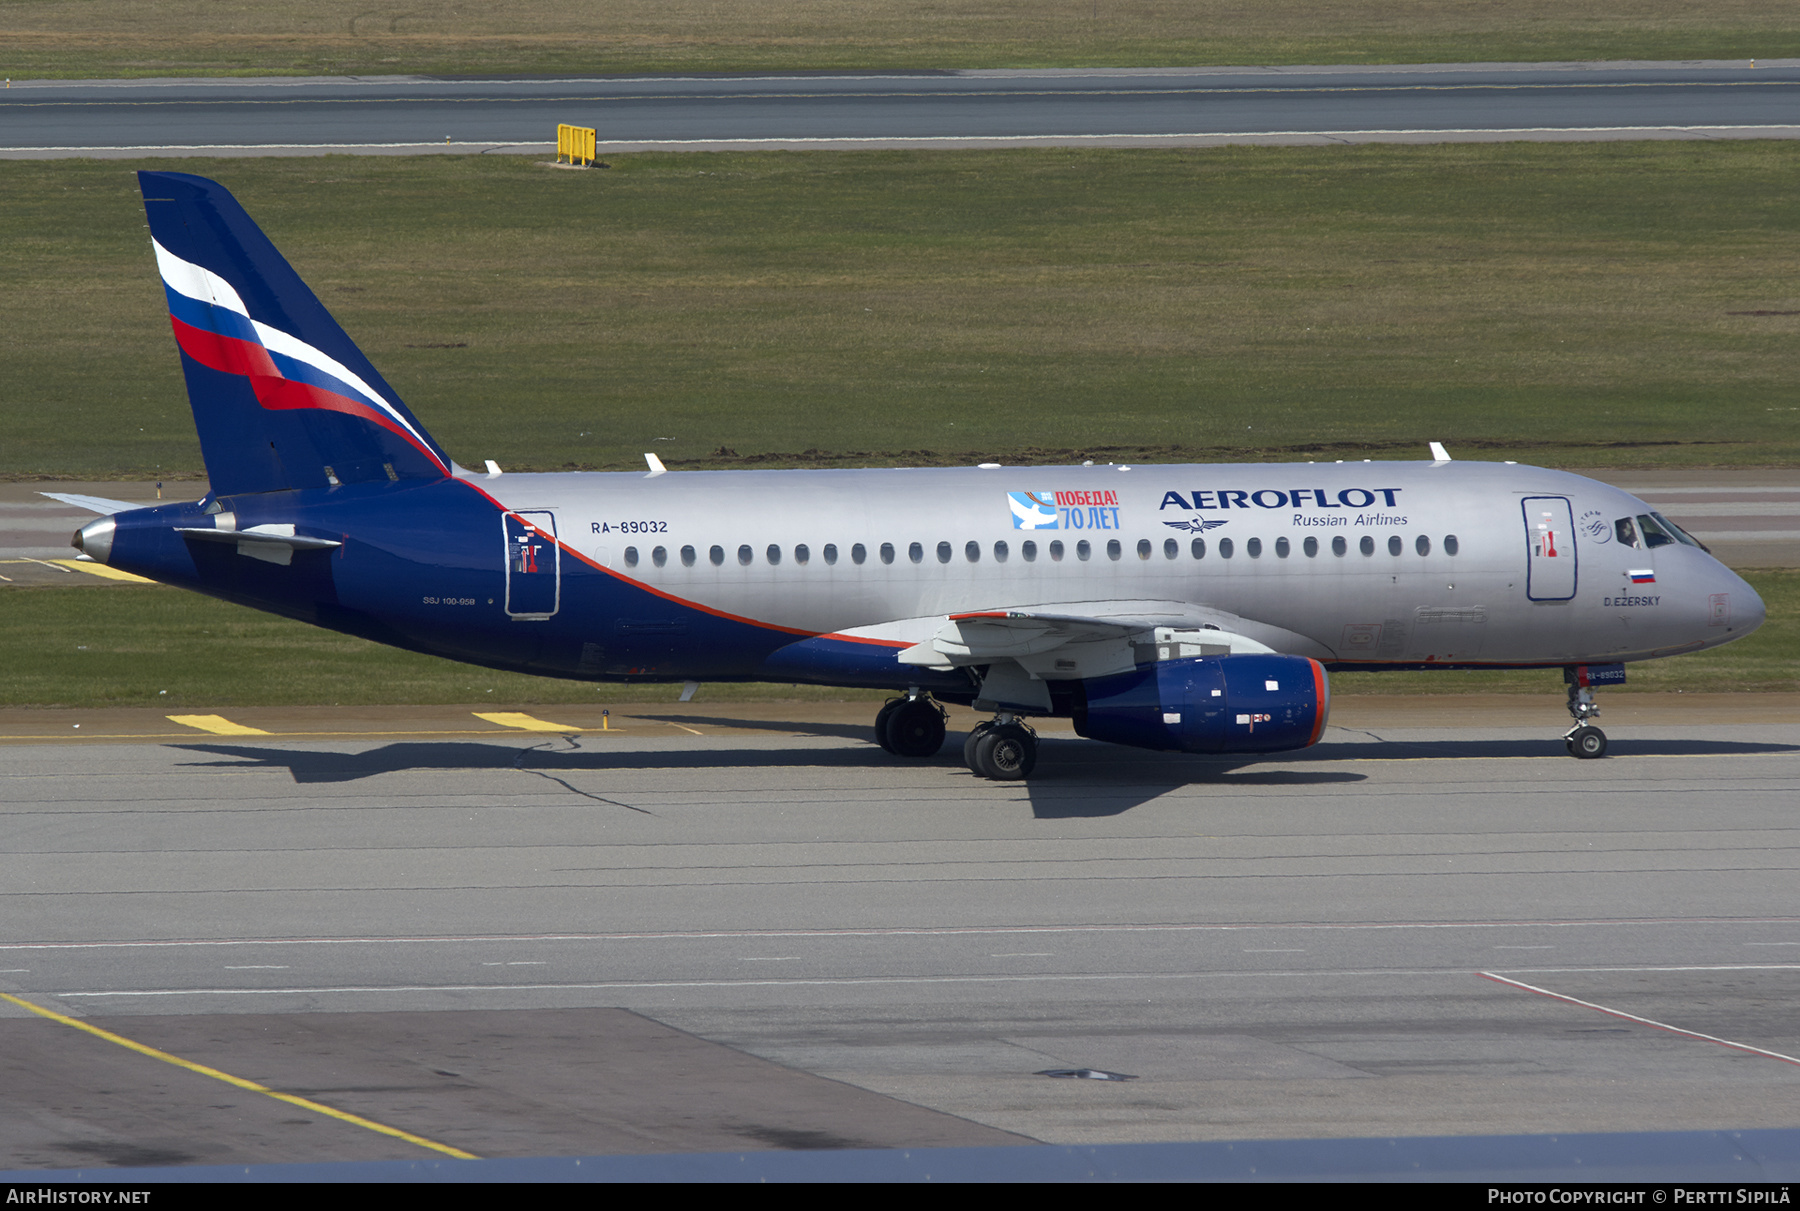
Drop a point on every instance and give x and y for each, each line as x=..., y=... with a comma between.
x=1402, y=931
x=1175, y=106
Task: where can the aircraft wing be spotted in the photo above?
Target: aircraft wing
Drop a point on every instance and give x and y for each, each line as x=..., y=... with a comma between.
x=93, y=504
x=1090, y=639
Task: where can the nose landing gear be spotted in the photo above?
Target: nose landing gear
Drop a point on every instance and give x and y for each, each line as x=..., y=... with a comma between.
x=1584, y=740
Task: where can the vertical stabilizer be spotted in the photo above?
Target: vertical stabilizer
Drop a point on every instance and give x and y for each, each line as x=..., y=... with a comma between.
x=281, y=397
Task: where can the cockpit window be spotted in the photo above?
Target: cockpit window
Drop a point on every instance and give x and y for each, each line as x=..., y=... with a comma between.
x=1681, y=535
x=1654, y=535
x=1625, y=532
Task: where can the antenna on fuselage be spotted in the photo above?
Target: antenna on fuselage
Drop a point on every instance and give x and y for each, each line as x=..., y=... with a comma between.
x=1438, y=453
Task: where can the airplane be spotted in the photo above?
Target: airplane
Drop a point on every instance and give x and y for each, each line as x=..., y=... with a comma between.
x=1194, y=608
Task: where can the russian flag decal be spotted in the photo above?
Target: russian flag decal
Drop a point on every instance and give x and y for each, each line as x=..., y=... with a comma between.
x=1644, y=576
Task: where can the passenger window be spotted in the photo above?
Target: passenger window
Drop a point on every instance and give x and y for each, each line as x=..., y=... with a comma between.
x=1028, y=549
x=972, y=552
x=746, y=555
x=1083, y=550
x=688, y=557
x=1056, y=551
x=801, y=553
x=1171, y=549
x=1654, y=535
x=887, y=552
x=774, y=554
x=1367, y=546
x=659, y=556
x=1198, y=548
x=1000, y=552
x=1311, y=547
x=1338, y=545
x=1450, y=545
x=916, y=552
x=858, y=553
x=1113, y=550
x=1625, y=532
x=1144, y=548
x=1225, y=548
x=1422, y=545
x=943, y=552
x=830, y=553
x=1253, y=548
x=717, y=555
x=1282, y=548
x=1395, y=546
x=631, y=557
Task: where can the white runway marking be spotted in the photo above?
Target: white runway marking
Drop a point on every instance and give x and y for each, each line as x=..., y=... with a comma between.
x=1632, y=1017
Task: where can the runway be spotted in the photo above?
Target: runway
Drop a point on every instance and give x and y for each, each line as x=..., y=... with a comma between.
x=1098, y=107
x=781, y=930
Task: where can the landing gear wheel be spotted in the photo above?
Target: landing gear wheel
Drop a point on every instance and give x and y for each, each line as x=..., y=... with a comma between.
x=881, y=722
x=916, y=728
x=975, y=734
x=1005, y=753
x=1587, y=742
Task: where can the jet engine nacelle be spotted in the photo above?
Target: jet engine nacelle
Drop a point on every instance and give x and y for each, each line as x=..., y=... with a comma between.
x=1213, y=704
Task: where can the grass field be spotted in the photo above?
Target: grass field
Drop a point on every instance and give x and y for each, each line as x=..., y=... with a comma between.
x=1588, y=305
x=114, y=38
x=156, y=646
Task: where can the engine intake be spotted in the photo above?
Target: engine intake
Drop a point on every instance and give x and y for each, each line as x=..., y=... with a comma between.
x=1213, y=704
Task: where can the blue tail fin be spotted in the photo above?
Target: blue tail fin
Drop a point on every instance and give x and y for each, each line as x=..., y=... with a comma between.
x=281, y=397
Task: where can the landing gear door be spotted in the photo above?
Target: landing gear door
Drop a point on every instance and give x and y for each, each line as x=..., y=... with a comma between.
x=533, y=565
x=1549, y=548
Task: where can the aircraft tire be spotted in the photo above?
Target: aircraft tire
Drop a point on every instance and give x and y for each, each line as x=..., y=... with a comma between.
x=1006, y=753
x=1587, y=742
x=882, y=717
x=975, y=734
x=916, y=728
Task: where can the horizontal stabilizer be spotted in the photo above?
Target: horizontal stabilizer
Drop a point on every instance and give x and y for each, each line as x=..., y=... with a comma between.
x=93, y=504
x=271, y=543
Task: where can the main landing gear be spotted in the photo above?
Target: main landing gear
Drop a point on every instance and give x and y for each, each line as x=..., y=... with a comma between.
x=912, y=726
x=1584, y=739
x=1003, y=748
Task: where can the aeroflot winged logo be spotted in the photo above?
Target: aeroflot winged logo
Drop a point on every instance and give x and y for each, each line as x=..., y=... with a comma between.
x=213, y=327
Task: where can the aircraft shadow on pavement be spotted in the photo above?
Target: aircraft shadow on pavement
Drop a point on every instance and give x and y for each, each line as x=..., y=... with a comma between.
x=1074, y=778
x=838, y=731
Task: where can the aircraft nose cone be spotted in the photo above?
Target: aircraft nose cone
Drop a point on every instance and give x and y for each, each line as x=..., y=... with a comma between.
x=1747, y=609
x=95, y=539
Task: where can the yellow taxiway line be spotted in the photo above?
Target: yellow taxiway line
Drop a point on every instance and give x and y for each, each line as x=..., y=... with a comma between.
x=100, y=569
x=525, y=723
x=218, y=725
x=238, y=1081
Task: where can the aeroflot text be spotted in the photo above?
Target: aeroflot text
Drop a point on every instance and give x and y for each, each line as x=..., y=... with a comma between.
x=1273, y=498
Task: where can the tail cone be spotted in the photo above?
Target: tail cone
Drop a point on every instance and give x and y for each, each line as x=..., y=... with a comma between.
x=95, y=539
